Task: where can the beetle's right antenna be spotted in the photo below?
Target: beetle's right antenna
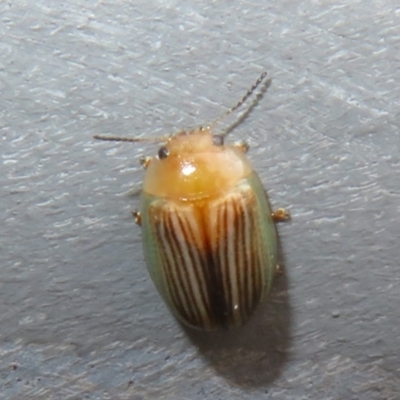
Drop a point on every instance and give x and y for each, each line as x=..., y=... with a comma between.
x=212, y=125
x=242, y=101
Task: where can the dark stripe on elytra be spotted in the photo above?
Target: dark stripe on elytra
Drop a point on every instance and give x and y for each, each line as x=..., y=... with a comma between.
x=169, y=268
x=225, y=264
x=215, y=285
x=234, y=260
x=176, y=264
x=252, y=265
x=239, y=249
x=190, y=238
x=190, y=247
x=247, y=243
x=248, y=240
x=229, y=236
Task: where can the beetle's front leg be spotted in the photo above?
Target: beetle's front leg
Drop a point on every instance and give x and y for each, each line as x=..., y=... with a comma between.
x=242, y=145
x=145, y=161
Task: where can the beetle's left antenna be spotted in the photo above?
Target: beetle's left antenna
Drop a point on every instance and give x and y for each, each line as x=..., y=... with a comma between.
x=242, y=101
x=128, y=139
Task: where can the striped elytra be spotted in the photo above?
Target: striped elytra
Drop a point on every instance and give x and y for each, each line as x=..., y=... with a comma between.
x=212, y=260
x=209, y=235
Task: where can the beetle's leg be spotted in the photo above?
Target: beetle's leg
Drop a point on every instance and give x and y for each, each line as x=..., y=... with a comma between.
x=278, y=270
x=145, y=161
x=280, y=215
x=137, y=217
x=242, y=146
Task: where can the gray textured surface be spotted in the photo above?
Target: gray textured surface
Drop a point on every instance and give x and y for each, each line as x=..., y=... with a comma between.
x=80, y=318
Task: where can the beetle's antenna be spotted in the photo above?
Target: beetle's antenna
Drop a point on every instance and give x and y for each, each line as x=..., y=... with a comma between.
x=211, y=126
x=128, y=139
x=242, y=101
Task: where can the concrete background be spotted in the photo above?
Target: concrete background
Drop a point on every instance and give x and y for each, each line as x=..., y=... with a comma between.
x=80, y=318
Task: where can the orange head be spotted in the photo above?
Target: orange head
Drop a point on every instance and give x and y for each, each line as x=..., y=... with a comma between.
x=194, y=165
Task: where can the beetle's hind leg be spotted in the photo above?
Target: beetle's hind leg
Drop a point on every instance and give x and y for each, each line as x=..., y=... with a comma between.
x=280, y=215
x=278, y=270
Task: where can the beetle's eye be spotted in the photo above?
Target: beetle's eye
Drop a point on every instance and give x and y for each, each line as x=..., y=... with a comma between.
x=218, y=140
x=163, y=153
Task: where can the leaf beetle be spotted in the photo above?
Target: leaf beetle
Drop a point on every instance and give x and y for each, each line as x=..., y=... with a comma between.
x=209, y=235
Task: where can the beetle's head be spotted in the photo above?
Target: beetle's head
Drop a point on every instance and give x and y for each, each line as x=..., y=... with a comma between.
x=195, y=164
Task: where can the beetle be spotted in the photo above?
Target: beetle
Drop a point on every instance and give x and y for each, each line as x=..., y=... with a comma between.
x=209, y=235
